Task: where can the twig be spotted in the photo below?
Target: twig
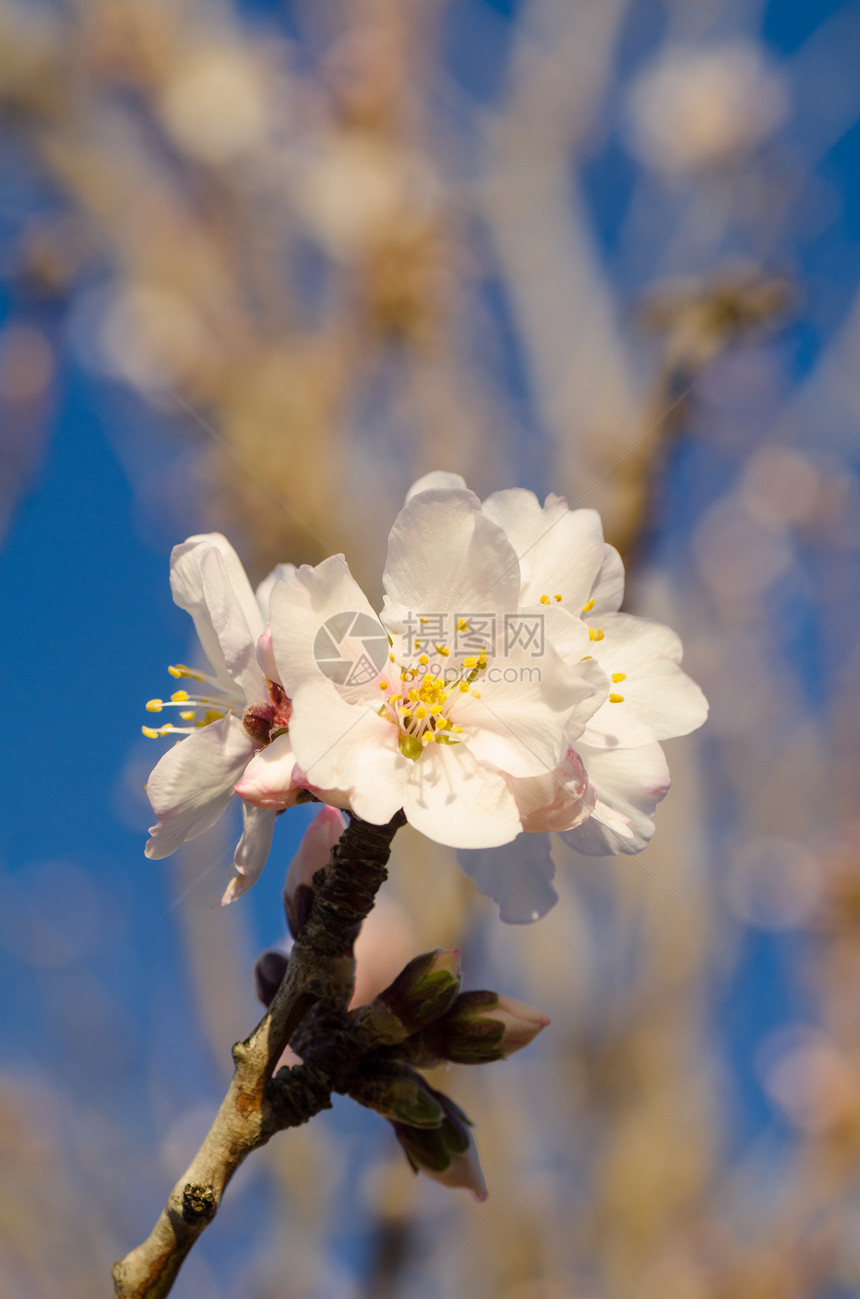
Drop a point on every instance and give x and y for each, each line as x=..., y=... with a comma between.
x=253, y=1110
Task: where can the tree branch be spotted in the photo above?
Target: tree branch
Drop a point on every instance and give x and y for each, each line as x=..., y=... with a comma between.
x=253, y=1110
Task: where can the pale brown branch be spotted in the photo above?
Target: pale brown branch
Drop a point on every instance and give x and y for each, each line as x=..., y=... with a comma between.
x=253, y=1110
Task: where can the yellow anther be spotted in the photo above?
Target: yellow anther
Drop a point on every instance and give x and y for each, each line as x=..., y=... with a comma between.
x=165, y=730
x=464, y=687
x=619, y=676
x=435, y=709
x=428, y=737
x=413, y=694
x=616, y=699
x=458, y=729
x=423, y=660
x=588, y=606
x=477, y=694
x=421, y=712
x=150, y=732
x=470, y=662
x=404, y=675
x=462, y=625
x=442, y=723
x=187, y=717
x=383, y=685
x=211, y=716
x=180, y=696
x=443, y=650
x=544, y=599
x=394, y=698
x=557, y=599
x=154, y=705
x=595, y=633
x=174, y=672
x=390, y=658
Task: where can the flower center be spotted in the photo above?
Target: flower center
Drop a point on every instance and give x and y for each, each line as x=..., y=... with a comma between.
x=262, y=721
x=423, y=707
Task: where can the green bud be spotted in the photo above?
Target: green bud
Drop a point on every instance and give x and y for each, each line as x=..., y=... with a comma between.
x=422, y=991
x=398, y=1093
x=481, y=1027
x=446, y=1153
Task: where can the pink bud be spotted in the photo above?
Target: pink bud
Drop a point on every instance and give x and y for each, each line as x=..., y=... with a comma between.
x=314, y=852
x=522, y=1023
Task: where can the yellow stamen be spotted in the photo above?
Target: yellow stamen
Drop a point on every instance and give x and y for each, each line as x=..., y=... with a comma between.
x=424, y=621
x=383, y=685
x=557, y=599
x=421, y=712
x=155, y=705
x=187, y=717
x=616, y=699
x=462, y=625
x=595, y=633
x=150, y=732
x=619, y=676
x=423, y=660
x=464, y=687
x=588, y=606
x=443, y=650
x=471, y=661
x=544, y=599
x=180, y=696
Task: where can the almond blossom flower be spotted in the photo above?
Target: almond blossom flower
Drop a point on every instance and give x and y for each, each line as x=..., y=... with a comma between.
x=236, y=712
x=601, y=798
x=426, y=726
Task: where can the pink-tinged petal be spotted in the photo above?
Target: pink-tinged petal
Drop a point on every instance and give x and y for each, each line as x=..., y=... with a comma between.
x=314, y=850
x=272, y=778
x=629, y=783
x=528, y=711
x=437, y=480
x=324, y=629
x=193, y=783
x=557, y=800
x=660, y=698
x=518, y=876
x=280, y=573
x=457, y=801
x=251, y=851
x=266, y=656
x=209, y=582
x=348, y=747
x=560, y=550
x=445, y=557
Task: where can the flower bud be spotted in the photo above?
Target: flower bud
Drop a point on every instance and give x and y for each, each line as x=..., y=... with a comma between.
x=269, y=970
x=397, y=1093
x=446, y=1153
x=481, y=1027
x=423, y=990
x=313, y=855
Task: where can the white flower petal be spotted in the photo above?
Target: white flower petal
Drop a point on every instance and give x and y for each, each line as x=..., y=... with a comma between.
x=457, y=801
x=348, y=747
x=269, y=780
x=193, y=783
x=311, y=613
x=608, y=589
x=629, y=784
x=209, y=582
x=280, y=573
x=251, y=850
x=560, y=550
x=518, y=876
x=445, y=557
x=558, y=800
x=528, y=711
x=661, y=699
x=437, y=479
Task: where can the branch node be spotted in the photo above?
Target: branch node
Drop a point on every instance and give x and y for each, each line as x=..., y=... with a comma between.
x=199, y=1203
